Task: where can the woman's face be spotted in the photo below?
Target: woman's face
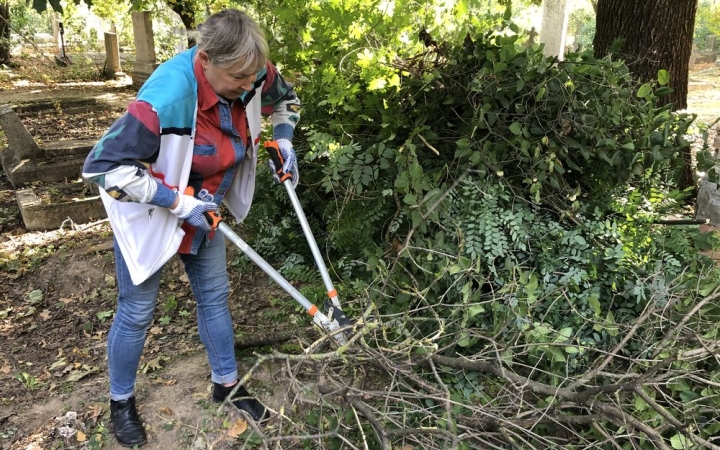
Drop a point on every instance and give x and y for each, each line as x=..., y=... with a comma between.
x=229, y=82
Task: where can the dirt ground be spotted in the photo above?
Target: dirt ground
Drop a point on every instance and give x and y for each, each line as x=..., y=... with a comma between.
x=57, y=295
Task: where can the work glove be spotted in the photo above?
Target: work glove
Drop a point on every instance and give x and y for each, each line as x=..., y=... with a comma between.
x=289, y=162
x=193, y=211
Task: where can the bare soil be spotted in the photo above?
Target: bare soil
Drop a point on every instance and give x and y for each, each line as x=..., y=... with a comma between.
x=57, y=297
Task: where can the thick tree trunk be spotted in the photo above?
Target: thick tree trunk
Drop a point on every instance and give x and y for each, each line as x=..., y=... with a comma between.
x=655, y=34
x=4, y=32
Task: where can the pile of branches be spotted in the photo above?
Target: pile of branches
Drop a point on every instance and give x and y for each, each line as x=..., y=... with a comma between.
x=498, y=216
x=374, y=392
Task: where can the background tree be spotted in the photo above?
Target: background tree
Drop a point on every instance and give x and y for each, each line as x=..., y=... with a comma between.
x=649, y=35
x=4, y=32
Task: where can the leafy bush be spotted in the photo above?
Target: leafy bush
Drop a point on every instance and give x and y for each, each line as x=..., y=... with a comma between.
x=503, y=204
x=707, y=22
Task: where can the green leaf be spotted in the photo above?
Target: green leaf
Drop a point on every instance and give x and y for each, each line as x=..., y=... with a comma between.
x=475, y=310
x=377, y=83
x=566, y=332
x=466, y=340
x=463, y=143
x=102, y=315
x=35, y=296
x=516, y=128
x=644, y=90
x=663, y=77
x=555, y=354
x=679, y=441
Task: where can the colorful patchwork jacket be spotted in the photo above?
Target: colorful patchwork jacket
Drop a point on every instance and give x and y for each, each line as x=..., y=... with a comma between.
x=147, y=234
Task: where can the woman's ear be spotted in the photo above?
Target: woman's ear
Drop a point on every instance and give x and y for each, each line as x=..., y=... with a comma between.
x=204, y=58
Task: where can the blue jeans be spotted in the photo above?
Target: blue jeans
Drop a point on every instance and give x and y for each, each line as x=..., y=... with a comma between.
x=207, y=272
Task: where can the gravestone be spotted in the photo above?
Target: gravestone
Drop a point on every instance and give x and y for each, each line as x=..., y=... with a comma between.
x=22, y=148
x=144, y=37
x=55, y=166
x=554, y=27
x=708, y=198
x=532, y=38
x=693, y=57
x=710, y=43
x=112, y=51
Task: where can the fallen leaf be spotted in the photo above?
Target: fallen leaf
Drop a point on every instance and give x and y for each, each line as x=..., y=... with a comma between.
x=153, y=364
x=35, y=296
x=57, y=364
x=30, y=311
x=86, y=370
x=166, y=410
x=81, y=436
x=237, y=429
x=95, y=411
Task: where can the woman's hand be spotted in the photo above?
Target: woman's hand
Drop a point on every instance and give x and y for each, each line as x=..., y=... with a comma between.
x=193, y=211
x=289, y=162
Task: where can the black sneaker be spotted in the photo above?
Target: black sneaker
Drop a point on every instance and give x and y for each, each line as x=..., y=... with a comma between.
x=127, y=427
x=242, y=400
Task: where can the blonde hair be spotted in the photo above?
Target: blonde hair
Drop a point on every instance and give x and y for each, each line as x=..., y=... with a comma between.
x=230, y=36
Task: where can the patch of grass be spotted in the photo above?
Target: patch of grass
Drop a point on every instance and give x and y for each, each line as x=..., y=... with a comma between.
x=29, y=382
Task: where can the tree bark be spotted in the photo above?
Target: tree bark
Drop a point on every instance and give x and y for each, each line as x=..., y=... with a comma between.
x=4, y=32
x=656, y=34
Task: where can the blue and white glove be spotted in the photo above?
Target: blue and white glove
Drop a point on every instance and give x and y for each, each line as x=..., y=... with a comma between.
x=193, y=211
x=290, y=166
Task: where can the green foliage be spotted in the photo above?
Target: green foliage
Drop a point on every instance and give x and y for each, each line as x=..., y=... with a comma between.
x=581, y=25
x=56, y=5
x=494, y=195
x=26, y=21
x=707, y=22
x=116, y=12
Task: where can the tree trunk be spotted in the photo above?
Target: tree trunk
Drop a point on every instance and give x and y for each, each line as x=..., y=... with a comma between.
x=655, y=34
x=4, y=32
x=185, y=10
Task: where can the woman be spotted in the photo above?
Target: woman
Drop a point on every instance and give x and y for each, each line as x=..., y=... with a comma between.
x=193, y=129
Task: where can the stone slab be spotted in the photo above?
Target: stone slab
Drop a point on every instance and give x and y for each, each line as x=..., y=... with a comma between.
x=63, y=104
x=49, y=216
x=20, y=143
x=70, y=147
x=26, y=171
x=708, y=202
